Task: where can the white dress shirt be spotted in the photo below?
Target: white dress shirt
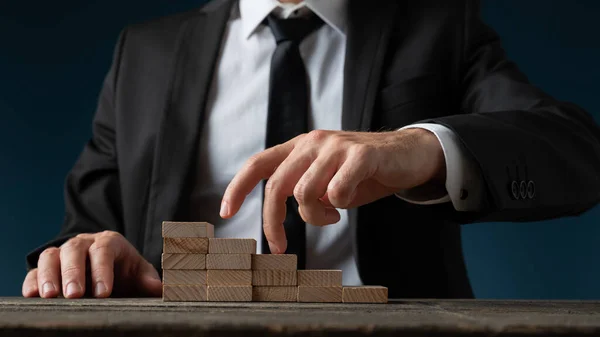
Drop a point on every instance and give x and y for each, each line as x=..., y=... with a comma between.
x=236, y=117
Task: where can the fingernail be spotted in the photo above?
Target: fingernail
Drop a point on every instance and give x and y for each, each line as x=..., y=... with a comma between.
x=224, y=209
x=48, y=288
x=100, y=288
x=73, y=289
x=273, y=248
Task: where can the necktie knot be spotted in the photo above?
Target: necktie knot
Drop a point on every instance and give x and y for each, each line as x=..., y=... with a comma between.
x=295, y=29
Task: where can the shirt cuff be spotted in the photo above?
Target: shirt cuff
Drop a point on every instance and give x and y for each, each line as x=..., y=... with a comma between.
x=464, y=181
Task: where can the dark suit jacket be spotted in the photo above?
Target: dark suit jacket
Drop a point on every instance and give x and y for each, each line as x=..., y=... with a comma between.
x=407, y=61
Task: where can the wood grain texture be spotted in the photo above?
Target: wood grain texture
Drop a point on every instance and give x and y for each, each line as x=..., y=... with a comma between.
x=184, y=293
x=232, y=246
x=229, y=277
x=184, y=277
x=145, y=317
x=320, y=294
x=320, y=278
x=228, y=261
x=274, y=278
x=274, y=261
x=183, y=261
x=172, y=229
x=185, y=245
x=275, y=294
x=229, y=293
x=365, y=294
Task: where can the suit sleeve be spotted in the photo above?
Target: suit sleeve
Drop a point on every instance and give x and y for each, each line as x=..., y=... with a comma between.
x=92, y=189
x=539, y=157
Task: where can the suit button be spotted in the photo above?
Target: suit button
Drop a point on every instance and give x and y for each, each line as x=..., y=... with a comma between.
x=530, y=189
x=514, y=187
x=523, y=190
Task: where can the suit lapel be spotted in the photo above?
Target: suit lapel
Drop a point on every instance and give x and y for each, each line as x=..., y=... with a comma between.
x=369, y=26
x=199, y=43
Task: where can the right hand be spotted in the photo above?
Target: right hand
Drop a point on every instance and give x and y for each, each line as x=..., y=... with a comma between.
x=115, y=268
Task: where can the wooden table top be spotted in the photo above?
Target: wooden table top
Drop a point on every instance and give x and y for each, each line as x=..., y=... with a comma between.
x=152, y=317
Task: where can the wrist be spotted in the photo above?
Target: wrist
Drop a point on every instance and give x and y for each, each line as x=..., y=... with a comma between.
x=429, y=157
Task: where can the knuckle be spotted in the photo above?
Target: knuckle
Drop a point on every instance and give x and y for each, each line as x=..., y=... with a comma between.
x=317, y=135
x=50, y=253
x=254, y=162
x=300, y=193
x=84, y=236
x=73, y=244
x=272, y=186
x=360, y=151
x=110, y=235
x=337, y=139
x=102, y=245
x=101, y=271
x=47, y=273
x=268, y=227
x=338, y=193
x=70, y=271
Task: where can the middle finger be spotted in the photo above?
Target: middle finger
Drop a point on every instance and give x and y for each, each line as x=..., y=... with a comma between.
x=278, y=188
x=312, y=186
x=73, y=257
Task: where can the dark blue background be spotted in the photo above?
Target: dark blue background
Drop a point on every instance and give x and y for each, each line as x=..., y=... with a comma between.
x=53, y=58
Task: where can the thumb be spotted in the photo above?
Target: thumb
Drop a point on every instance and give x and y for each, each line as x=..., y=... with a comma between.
x=148, y=280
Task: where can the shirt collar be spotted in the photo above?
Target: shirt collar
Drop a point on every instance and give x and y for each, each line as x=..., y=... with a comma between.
x=253, y=12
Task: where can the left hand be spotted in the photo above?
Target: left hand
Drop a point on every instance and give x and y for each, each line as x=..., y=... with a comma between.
x=325, y=170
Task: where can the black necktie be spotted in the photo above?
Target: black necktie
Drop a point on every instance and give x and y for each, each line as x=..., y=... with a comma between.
x=288, y=110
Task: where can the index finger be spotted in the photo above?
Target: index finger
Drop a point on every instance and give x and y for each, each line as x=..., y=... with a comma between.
x=256, y=169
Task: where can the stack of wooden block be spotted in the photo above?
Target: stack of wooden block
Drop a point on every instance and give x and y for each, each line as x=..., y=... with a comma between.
x=198, y=267
x=185, y=246
x=274, y=278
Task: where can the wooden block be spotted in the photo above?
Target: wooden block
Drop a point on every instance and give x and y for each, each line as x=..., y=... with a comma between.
x=366, y=294
x=232, y=246
x=275, y=294
x=274, y=278
x=230, y=293
x=184, y=277
x=184, y=293
x=320, y=278
x=275, y=261
x=172, y=229
x=185, y=245
x=320, y=294
x=229, y=277
x=228, y=261
x=183, y=261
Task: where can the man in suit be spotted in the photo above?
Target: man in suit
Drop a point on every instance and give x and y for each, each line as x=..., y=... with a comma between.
x=380, y=128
